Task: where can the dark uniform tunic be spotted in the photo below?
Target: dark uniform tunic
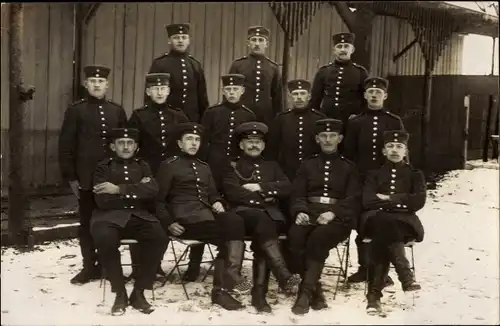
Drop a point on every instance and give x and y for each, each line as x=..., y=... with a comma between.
x=407, y=189
x=274, y=183
x=155, y=124
x=327, y=183
x=364, y=139
x=263, y=92
x=292, y=139
x=84, y=137
x=135, y=197
x=219, y=122
x=338, y=90
x=187, y=83
x=187, y=191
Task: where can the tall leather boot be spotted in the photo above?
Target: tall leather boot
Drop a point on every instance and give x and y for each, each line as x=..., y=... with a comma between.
x=397, y=256
x=235, y=254
x=220, y=294
x=308, y=286
x=318, y=301
x=261, y=274
x=360, y=275
x=376, y=283
x=121, y=303
x=139, y=302
x=195, y=258
x=287, y=281
x=91, y=269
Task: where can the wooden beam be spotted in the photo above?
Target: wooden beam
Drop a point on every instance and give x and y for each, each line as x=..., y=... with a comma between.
x=345, y=13
x=425, y=121
x=362, y=43
x=90, y=12
x=405, y=49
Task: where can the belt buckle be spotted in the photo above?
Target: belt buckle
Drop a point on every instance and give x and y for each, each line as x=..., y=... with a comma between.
x=324, y=200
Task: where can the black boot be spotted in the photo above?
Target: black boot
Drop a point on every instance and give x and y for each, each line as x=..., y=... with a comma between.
x=308, y=287
x=261, y=275
x=376, y=282
x=139, y=302
x=87, y=274
x=120, y=304
x=195, y=258
x=360, y=275
x=318, y=301
x=397, y=256
x=220, y=295
x=287, y=281
x=235, y=254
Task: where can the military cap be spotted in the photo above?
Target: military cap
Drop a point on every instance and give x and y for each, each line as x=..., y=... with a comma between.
x=299, y=84
x=157, y=79
x=396, y=136
x=251, y=129
x=343, y=38
x=328, y=125
x=233, y=79
x=96, y=71
x=117, y=133
x=258, y=31
x=173, y=29
x=376, y=82
x=188, y=128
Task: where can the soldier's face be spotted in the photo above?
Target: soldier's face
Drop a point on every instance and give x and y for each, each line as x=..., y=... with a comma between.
x=124, y=147
x=343, y=51
x=258, y=44
x=395, y=152
x=158, y=94
x=233, y=93
x=252, y=146
x=189, y=143
x=329, y=141
x=96, y=86
x=300, y=98
x=375, y=97
x=179, y=42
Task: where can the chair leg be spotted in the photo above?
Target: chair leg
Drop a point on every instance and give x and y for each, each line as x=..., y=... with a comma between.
x=211, y=263
x=103, y=284
x=176, y=267
x=342, y=272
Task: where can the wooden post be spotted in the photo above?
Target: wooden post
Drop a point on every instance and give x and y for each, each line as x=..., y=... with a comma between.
x=77, y=54
x=19, y=228
x=486, y=136
x=284, y=70
x=363, y=31
x=426, y=115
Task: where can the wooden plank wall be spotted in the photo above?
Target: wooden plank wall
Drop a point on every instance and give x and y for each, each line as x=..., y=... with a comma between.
x=448, y=115
x=48, y=64
x=132, y=35
x=390, y=35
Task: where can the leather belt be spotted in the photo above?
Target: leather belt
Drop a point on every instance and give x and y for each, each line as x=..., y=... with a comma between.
x=322, y=200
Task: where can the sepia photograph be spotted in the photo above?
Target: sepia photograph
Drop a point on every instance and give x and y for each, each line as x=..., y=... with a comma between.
x=250, y=163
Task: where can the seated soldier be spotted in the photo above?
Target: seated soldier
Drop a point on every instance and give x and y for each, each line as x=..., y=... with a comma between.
x=189, y=206
x=324, y=201
x=124, y=187
x=253, y=188
x=391, y=196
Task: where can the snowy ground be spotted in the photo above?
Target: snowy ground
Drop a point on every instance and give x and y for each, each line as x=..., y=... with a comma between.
x=457, y=266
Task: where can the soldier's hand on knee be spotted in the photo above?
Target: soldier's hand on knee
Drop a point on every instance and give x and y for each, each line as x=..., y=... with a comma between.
x=325, y=218
x=383, y=197
x=176, y=229
x=75, y=188
x=253, y=187
x=218, y=207
x=302, y=219
x=106, y=188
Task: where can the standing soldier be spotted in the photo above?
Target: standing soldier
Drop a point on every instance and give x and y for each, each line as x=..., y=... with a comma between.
x=83, y=143
x=337, y=89
x=155, y=121
x=187, y=78
x=364, y=142
x=291, y=136
x=263, y=93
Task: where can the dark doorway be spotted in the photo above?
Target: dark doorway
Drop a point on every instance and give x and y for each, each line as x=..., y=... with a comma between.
x=483, y=113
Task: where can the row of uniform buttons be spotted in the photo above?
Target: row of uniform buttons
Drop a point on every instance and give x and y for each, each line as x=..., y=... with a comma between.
x=103, y=127
x=337, y=89
x=125, y=172
x=163, y=130
x=257, y=90
x=197, y=180
x=301, y=135
x=393, y=187
x=231, y=130
x=257, y=174
x=375, y=129
x=327, y=173
x=184, y=78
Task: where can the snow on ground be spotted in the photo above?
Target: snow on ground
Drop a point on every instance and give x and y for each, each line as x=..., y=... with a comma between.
x=457, y=266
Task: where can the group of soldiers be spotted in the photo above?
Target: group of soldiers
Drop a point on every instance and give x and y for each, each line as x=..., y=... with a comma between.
x=334, y=162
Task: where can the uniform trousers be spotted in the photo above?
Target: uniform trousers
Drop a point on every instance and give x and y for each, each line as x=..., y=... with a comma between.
x=152, y=245
x=86, y=206
x=261, y=227
x=314, y=242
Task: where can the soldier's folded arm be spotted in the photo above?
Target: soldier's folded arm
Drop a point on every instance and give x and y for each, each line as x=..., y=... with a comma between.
x=141, y=190
x=165, y=177
x=369, y=197
x=350, y=206
x=281, y=188
x=317, y=90
x=298, y=198
x=102, y=200
x=67, y=144
x=236, y=194
x=415, y=200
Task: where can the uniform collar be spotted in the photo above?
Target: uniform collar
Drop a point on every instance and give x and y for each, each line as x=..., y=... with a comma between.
x=91, y=99
x=232, y=106
x=343, y=63
x=329, y=157
x=124, y=161
x=300, y=111
x=178, y=54
x=160, y=107
x=187, y=156
x=257, y=56
x=392, y=165
x=252, y=160
x=375, y=112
